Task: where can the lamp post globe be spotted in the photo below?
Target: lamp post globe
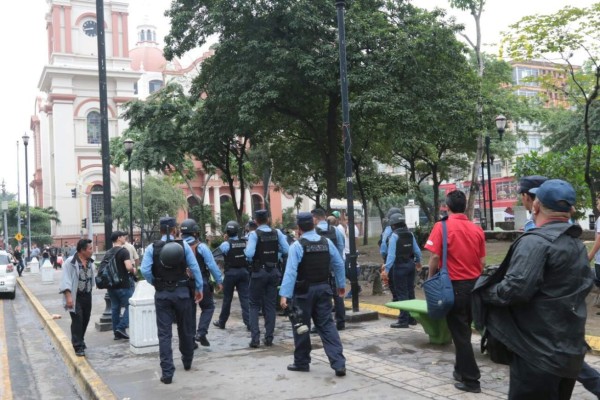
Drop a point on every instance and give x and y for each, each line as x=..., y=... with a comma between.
x=25, y=138
x=500, y=124
x=128, y=144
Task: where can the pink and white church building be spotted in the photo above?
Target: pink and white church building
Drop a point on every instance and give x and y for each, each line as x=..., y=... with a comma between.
x=66, y=124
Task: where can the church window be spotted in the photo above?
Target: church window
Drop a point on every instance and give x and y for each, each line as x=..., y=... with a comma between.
x=142, y=35
x=93, y=127
x=97, y=200
x=154, y=85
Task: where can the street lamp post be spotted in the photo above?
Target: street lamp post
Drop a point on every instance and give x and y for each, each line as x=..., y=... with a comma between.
x=142, y=213
x=484, y=220
x=500, y=125
x=128, y=149
x=26, y=142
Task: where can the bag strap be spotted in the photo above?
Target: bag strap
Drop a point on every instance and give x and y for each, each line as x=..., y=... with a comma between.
x=444, y=245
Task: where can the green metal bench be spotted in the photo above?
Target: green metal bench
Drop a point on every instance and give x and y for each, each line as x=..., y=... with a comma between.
x=437, y=329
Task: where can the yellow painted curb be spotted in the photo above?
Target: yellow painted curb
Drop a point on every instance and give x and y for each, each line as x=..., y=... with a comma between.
x=593, y=341
x=88, y=379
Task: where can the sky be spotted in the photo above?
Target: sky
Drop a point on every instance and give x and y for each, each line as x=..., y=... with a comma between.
x=23, y=33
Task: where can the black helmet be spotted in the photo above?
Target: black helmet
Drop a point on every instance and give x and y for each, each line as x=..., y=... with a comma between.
x=232, y=228
x=393, y=210
x=396, y=219
x=189, y=226
x=171, y=255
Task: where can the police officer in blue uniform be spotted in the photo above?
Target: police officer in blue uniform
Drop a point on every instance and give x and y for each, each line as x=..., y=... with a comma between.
x=404, y=255
x=338, y=240
x=262, y=251
x=306, y=282
x=164, y=266
x=189, y=232
x=383, y=245
x=236, y=274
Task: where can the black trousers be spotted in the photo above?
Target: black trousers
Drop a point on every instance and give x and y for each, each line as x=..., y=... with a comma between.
x=530, y=383
x=80, y=319
x=459, y=323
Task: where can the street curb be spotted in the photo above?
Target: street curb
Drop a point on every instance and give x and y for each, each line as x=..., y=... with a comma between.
x=91, y=383
x=592, y=341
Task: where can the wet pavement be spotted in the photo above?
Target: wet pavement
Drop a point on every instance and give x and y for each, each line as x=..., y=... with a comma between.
x=382, y=362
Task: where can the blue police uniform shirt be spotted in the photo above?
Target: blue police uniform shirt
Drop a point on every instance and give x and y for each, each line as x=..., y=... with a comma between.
x=383, y=249
x=341, y=240
x=205, y=252
x=391, y=257
x=225, y=246
x=295, y=256
x=529, y=225
x=250, y=249
x=190, y=260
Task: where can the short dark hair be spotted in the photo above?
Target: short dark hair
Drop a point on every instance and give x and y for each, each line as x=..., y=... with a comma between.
x=82, y=244
x=261, y=219
x=456, y=201
x=306, y=226
x=319, y=213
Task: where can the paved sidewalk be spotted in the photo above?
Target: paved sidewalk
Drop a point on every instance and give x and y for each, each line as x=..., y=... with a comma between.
x=382, y=362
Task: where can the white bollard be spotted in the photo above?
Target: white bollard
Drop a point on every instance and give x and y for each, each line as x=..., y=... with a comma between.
x=34, y=266
x=143, y=335
x=47, y=272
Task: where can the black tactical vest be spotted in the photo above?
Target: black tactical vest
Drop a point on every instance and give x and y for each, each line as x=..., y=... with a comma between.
x=267, y=247
x=404, y=245
x=200, y=259
x=166, y=274
x=235, y=257
x=330, y=234
x=314, y=266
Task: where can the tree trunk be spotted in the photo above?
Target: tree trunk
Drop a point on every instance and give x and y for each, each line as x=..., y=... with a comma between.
x=363, y=200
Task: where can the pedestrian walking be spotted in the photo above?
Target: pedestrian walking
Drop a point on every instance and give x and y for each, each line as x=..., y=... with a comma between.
x=306, y=285
x=165, y=265
x=76, y=287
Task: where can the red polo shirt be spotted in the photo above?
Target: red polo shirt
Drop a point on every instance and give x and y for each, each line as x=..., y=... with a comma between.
x=466, y=246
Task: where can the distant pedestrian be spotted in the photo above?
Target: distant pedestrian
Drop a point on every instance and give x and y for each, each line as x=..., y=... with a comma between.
x=76, y=286
x=165, y=266
x=119, y=296
x=19, y=257
x=465, y=262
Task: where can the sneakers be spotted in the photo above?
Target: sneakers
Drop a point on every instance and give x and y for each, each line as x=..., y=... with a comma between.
x=121, y=334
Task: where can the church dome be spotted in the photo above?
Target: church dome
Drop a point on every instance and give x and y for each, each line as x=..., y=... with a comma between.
x=147, y=56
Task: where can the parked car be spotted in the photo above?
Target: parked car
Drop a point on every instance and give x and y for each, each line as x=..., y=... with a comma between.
x=8, y=275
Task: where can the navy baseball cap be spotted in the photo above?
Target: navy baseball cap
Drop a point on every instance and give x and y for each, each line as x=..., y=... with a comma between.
x=529, y=182
x=304, y=218
x=261, y=214
x=555, y=194
x=170, y=222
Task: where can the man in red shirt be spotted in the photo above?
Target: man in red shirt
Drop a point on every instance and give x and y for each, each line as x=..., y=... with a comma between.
x=466, y=259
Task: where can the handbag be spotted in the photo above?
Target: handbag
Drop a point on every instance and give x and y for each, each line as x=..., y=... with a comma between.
x=439, y=293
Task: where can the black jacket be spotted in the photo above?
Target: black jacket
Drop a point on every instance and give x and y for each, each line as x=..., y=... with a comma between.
x=538, y=308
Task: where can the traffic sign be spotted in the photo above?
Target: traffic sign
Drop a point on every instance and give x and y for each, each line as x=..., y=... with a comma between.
x=19, y=237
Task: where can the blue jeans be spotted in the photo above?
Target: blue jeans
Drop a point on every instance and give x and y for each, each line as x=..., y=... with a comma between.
x=119, y=298
x=589, y=378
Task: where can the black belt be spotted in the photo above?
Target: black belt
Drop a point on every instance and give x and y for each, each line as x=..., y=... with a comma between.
x=319, y=283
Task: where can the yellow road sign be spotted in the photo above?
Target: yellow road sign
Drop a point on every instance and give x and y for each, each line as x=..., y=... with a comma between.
x=19, y=237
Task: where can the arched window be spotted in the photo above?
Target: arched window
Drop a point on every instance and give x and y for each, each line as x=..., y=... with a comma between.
x=192, y=202
x=257, y=203
x=154, y=36
x=149, y=35
x=154, y=85
x=142, y=35
x=93, y=127
x=97, y=200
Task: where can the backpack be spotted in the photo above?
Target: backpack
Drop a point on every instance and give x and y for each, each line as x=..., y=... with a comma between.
x=108, y=272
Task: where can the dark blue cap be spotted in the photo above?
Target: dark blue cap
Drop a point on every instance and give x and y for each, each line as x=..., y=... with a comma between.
x=527, y=183
x=304, y=218
x=556, y=194
x=170, y=222
x=261, y=214
x=252, y=224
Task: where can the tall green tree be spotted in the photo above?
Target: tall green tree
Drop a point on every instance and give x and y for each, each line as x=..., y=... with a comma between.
x=563, y=34
x=162, y=197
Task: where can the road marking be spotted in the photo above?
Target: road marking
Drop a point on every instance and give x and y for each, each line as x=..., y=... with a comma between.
x=5, y=390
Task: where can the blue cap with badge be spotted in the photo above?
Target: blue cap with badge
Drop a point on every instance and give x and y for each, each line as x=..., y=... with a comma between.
x=303, y=218
x=261, y=214
x=170, y=222
x=556, y=194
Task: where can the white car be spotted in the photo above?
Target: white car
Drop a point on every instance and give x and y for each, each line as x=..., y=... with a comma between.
x=8, y=275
